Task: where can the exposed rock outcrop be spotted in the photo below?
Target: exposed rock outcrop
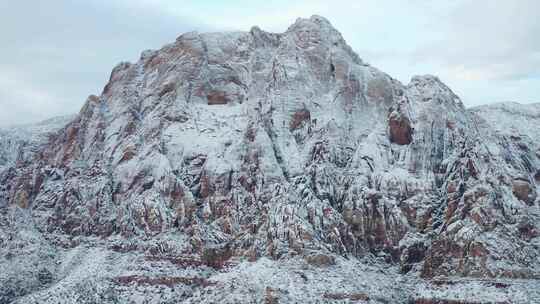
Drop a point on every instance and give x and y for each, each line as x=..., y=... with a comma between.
x=400, y=128
x=524, y=191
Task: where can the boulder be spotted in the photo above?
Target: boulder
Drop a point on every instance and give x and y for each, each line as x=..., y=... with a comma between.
x=524, y=191
x=22, y=199
x=217, y=97
x=216, y=256
x=320, y=260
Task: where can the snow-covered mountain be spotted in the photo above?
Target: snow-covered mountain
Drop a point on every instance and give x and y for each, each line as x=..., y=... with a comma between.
x=23, y=138
x=253, y=167
x=512, y=119
x=20, y=143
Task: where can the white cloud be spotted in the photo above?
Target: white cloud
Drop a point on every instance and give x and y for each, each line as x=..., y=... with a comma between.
x=21, y=102
x=56, y=53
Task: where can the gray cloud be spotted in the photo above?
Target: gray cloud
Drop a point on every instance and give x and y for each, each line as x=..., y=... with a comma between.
x=55, y=53
x=494, y=40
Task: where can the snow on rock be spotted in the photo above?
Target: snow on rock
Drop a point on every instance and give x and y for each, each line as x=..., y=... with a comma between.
x=14, y=139
x=263, y=167
x=19, y=143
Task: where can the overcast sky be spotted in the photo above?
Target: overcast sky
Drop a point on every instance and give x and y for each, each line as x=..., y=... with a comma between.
x=54, y=54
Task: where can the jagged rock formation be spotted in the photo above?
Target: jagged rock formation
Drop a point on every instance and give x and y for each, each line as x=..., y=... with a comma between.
x=26, y=138
x=253, y=166
x=19, y=143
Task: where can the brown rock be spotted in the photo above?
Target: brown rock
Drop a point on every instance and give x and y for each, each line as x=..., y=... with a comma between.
x=217, y=98
x=450, y=124
x=440, y=253
x=270, y=297
x=400, y=129
x=412, y=254
x=216, y=256
x=22, y=199
x=472, y=168
x=129, y=153
x=93, y=98
x=320, y=260
x=451, y=187
x=167, y=88
x=298, y=118
x=116, y=74
x=206, y=187
x=527, y=229
x=524, y=191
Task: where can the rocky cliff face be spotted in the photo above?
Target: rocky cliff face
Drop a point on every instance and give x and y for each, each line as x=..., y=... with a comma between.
x=18, y=144
x=19, y=139
x=261, y=167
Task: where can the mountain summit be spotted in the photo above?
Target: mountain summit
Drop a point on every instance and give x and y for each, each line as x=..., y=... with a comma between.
x=255, y=167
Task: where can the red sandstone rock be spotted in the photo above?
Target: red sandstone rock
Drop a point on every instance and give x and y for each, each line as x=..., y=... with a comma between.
x=298, y=118
x=399, y=128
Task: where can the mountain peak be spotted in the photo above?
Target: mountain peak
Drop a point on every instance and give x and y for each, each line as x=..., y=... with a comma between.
x=431, y=88
x=318, y=20
x=316, y=25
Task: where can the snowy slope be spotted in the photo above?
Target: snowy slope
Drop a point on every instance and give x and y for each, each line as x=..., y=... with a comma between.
x=511, y=118
x=12, y=139
x=516, y=129
x=20, y=143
